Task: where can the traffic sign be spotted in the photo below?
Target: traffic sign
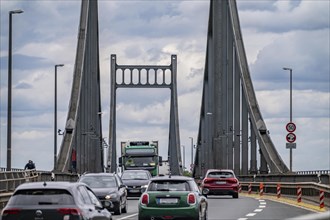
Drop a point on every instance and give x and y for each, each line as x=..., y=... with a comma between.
x=290, y=127
x=291, y=145
x=291, y=137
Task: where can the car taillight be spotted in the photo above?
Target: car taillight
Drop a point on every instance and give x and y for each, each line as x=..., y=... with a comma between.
x=206, y=181
x=69, y=211
x=232, y=181
x=145, y=199
x=191, y=198
x=10, y=212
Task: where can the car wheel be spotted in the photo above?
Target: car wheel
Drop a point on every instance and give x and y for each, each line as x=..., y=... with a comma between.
x=124, y=210
x=235, y=195
x=141, y=218
x=118, y=209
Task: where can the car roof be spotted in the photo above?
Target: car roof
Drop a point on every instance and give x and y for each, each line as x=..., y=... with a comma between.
x=133, y=171
x=217, y=170
x=49, y=185
x=172, y=177
x=98, y=174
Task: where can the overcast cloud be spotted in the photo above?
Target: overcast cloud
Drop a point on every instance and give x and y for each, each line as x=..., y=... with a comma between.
x=276, y=34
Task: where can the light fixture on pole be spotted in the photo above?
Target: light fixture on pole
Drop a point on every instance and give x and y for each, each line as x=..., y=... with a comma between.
x=285, y=68
x=184, y=160
x=192, y=153
x=55, y=115
x=291, y=127
x=10, y=88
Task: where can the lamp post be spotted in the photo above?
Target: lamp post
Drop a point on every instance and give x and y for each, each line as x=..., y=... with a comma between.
x=285, y=68
x=55, y=115
x=192, y=152
x=290, y=69
x=184, y=153
x=10, y=88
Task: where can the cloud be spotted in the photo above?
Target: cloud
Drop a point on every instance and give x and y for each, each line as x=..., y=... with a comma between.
x=276, y=34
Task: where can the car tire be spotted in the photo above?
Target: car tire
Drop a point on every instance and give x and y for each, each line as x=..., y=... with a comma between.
x=140, y=218
x=118, y=209
x=201, y=216
x=235, y=195
x=124, y=210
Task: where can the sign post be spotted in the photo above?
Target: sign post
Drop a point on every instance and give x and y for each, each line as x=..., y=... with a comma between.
x=291, y=138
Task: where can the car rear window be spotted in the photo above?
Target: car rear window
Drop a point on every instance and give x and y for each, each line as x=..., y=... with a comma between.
x=42, y=197
x=99, y=181
x=169, y=185
x=134, y=176
x=221, y=174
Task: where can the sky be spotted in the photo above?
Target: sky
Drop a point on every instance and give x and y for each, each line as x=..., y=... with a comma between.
x=276, y=34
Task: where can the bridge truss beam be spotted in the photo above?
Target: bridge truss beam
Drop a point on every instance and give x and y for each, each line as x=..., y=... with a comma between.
x=139, y=76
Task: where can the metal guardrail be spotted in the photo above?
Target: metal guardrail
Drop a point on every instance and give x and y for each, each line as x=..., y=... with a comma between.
x=311, y=182
x=310, y=190
x=10, y=180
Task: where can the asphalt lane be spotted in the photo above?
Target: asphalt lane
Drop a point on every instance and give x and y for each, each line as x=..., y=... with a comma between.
x=244, y=208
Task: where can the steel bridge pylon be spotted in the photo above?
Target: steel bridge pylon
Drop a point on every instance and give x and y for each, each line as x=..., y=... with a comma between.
x=163, y=77
x=231, y=124
x=82, y=144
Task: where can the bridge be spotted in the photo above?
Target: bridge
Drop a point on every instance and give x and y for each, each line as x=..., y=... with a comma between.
x=232, y=132
x=229, y=108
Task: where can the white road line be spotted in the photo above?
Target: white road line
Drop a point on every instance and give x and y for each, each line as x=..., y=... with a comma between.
x=263, y=203
x=128, y=216
x=242, y=219
x=262, y=206
x=258, y=210
x=251, y=214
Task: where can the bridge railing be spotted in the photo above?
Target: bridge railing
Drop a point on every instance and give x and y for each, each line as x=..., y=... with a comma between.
x=310, y=191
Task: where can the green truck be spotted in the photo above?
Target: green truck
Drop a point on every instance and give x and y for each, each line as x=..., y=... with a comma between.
x=140, y=155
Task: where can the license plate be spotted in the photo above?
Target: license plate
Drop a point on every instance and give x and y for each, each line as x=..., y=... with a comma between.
x=220, y=182
x=168, y=200
x=134, y=190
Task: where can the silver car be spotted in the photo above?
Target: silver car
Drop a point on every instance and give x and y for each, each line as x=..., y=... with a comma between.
x=53, y=201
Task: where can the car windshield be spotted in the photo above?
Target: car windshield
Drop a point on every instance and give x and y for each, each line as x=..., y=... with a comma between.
x=99, y=181
x=140, y=161
x=42, y=197
x=221, y=174
x=169, y=185
x=135, y=176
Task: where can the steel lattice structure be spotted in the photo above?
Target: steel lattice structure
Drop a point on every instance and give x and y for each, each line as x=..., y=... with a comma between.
x=231, y=124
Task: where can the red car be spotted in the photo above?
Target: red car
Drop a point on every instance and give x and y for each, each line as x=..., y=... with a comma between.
x=220, y=182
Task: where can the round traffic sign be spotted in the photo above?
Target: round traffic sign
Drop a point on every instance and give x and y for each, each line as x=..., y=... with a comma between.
x=290, y=127
x=291, y=137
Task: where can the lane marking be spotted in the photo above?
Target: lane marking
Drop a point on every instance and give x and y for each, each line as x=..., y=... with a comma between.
x=242, y=219
x=126, y=217
x=258, y=210
x=262, y=206
x=251, y=214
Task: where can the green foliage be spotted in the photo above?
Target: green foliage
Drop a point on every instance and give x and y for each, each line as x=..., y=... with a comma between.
x=187, y=173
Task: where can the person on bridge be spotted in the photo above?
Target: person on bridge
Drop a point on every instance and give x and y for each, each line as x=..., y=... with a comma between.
x=30, y=165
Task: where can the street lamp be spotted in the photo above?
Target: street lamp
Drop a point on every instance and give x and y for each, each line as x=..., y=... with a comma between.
x=285, y=68
x=184, y=153
x=192, y=152
x=290, y=147
x=55, y=116
x=10, y=88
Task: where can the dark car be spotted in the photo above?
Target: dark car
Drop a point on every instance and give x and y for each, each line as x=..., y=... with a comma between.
x=136, y=181
x=53, y=201
x=220, y=182
x=108, y=187
x=172, y=197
